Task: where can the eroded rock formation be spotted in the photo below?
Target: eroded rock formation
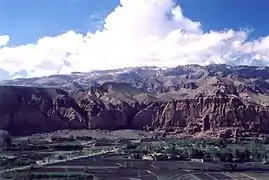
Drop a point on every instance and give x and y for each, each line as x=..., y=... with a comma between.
x=215, y=99
x=34, y=110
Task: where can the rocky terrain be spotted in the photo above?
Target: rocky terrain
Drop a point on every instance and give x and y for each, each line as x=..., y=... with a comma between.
x=214, y=100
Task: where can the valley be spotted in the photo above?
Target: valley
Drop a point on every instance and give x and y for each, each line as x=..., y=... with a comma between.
x=64, y=156
x=188, y=122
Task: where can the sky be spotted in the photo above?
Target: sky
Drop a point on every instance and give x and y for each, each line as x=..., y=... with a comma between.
x=44, y=37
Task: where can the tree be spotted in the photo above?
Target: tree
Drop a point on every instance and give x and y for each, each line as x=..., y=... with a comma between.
x=255, y=149
x=172, y=149
x=195, y=153
x=223, y=143
x=237, y=154
x=241, y=156
x=226, y=156
x=5, y=139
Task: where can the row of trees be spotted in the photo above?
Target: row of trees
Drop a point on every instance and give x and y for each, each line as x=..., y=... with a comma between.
x=217, y=150
x=201, y=143
x=255, y=151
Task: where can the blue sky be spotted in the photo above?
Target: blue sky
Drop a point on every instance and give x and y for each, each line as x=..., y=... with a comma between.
x=235, y=14
x=26, y=21
x=44, y=37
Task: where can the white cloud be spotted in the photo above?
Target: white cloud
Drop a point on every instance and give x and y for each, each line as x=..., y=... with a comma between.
x=4, y=40
x=140, y=32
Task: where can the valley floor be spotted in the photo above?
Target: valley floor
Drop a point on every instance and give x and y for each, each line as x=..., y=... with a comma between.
x=131, y=154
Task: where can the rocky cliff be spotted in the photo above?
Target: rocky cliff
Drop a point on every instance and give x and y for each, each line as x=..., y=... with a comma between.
x=222, y=105
x=34, y=110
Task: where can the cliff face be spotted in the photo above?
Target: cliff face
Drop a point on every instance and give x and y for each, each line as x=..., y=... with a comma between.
x=196, y=100
x=35, y=110
x=204, y=114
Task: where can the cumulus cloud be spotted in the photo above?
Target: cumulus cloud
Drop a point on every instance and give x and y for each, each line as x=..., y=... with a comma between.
x=136, y=33
x=4, y=40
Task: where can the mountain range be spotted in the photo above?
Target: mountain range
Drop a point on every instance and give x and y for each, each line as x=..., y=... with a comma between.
x=217, y=100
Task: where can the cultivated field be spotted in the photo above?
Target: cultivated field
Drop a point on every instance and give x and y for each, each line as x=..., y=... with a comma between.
x=111, y=167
